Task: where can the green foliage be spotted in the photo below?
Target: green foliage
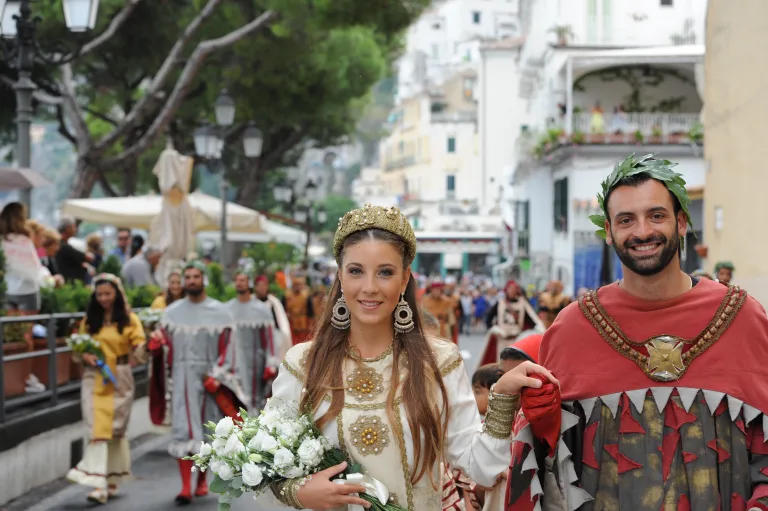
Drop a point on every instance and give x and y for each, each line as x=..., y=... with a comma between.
x=216, y=285
x=660, y=170
x=271, y=256
x=142, y=296
x=335, y=207
x=111, y=265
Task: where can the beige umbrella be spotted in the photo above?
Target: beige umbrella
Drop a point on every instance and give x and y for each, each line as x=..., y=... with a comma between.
x=173, y=230
x=14, y=178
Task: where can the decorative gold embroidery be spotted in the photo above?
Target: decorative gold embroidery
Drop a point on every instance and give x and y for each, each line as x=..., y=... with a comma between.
x=364, y=383
x=369, y=434
x=303, y=360
x=667, y=359
x=340, y=433
x=295, y=372
x=354, y=355
x=452, y=366
x=398, y=427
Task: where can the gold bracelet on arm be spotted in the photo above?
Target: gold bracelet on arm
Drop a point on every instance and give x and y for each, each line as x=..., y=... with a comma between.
x=501, y=414
x=285, y=492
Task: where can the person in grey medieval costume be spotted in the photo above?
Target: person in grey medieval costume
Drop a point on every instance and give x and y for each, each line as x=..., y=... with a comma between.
x=199, y=334
x=258, y=343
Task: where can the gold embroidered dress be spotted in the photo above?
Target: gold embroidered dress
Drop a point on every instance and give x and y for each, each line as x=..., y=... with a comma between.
x=363, y=429
x=106, y=407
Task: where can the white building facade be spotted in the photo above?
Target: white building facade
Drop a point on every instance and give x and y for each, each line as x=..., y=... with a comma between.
x=591, y=82
x=447, y=38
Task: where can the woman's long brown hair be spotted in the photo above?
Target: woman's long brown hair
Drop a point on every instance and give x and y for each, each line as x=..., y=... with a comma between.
x=13, y=220
x=427, y=419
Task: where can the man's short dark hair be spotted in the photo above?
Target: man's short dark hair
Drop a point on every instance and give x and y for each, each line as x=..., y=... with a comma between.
x=635, y=181
x=123, y=229
x=487, y=375
x=510, y=353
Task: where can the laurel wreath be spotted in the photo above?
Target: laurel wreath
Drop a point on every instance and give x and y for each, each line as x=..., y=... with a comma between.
x=660, y=170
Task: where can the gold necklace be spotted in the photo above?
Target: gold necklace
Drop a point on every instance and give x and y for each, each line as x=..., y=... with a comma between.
x=354, y=355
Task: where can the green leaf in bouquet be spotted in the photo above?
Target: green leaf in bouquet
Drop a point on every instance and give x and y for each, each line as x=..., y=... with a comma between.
x=218, y=485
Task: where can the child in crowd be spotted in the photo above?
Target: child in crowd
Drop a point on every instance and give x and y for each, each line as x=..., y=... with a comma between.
x=515, y=354
x=487, y=499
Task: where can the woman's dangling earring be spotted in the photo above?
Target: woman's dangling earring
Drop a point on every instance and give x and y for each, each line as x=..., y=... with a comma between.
x=340, y=319
x=403, y=316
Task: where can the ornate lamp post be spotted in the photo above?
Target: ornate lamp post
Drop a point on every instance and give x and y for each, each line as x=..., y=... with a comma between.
x=209, y=144
x=17, y=24
x=302, y=203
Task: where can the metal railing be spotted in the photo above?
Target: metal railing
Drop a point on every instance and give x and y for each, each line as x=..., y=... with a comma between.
x=630, y=123
x=53, y=391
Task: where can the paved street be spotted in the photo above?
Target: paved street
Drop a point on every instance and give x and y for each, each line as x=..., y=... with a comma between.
x=156, y=476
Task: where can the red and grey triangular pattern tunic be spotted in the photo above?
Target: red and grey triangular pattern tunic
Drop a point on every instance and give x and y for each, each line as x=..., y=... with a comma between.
x=664, y=406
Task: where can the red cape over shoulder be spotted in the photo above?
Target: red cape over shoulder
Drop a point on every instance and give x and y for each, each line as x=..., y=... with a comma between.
x=587, y=366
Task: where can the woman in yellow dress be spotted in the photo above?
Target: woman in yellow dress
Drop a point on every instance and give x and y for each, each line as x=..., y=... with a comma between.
x=106, y=406
x=173, y=291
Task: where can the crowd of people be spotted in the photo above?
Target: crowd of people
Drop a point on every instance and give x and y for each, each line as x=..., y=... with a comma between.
x=655, y=404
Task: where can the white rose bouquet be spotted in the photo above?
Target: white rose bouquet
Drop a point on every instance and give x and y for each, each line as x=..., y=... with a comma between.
x=251, y=454
x=150, y=318
x=84, y=343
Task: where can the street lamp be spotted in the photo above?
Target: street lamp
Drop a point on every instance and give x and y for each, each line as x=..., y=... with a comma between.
x=209, y=144
x=18, y=24
x=305, y=212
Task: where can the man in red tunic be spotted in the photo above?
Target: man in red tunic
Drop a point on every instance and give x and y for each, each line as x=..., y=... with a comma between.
x=663, y=377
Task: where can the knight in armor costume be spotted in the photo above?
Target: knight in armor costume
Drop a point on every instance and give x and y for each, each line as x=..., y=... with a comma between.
x=441, y=307
x=512, y=315
x=259, y=343
x=551, y=302
x=663, y=392
x=197, y=336
x=298, y=304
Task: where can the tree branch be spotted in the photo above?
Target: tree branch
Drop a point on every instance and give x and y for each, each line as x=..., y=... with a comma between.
x=104, y=182
x=160, y=78
x=72, y=109
x=284, y=146
x=114, y=25
x=189, y=73
x=38, y=95
x=102, y=116
x=63, y=131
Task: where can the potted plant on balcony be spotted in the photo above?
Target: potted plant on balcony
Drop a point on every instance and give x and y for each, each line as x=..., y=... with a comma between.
x=578, y=138
x=656, y=134
x=564, y=34
x=696, y=134
x=677, y=137
x=639, y=137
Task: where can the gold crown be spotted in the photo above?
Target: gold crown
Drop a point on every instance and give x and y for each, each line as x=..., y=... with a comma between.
x=376, y=217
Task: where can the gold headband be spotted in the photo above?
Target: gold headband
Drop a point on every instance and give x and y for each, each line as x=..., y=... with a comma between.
x=376, y=217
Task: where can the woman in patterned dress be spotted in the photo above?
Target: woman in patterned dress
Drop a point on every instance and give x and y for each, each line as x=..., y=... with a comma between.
x=379, y=386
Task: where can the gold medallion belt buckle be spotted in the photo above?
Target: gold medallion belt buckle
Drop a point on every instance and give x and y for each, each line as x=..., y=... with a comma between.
x=665, y=358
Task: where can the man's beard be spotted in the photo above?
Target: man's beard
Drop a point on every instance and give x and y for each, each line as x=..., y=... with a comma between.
x=243, y=291
x=193, y=291
x=647, y=266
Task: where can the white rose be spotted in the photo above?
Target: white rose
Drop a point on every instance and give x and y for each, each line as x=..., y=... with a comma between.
x=233, y=446
x=219, y=444
x=269, y=444
x=311, y=452
x=270, y=419
x=258, y=439
x=224, y=471
x=205, y=449
x=252, y=475
x=224, y=427
x=293, y=473
x=283, y=459
x=290, y=431
x=214, y=466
